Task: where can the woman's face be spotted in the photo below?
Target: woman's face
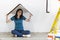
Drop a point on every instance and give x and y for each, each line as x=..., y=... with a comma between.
x=19, y=12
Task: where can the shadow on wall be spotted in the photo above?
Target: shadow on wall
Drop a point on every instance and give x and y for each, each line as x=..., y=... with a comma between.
x=27, y=25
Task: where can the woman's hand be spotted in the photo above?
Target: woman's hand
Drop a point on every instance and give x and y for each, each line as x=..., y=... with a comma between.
x=28, y=19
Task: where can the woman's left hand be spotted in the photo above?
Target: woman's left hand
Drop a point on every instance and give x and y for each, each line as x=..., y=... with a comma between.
x=30, y=14
x=29, y=17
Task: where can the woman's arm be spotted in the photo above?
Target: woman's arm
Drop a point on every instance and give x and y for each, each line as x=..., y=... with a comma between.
x=7, y=20
x=28, y=19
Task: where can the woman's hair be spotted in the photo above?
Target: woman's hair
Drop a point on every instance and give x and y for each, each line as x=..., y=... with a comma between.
x=17, y=12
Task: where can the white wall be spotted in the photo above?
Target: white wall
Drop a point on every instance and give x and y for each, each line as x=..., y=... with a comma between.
x=41, y=21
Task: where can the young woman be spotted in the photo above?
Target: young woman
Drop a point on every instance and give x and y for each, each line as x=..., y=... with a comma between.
x=18, y=19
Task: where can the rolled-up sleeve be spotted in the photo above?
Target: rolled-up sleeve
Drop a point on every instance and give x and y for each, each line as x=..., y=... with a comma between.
x=12, y=18
x=24, y=18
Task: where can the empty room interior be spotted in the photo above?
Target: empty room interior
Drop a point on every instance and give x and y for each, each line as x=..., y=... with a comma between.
x=29, y=19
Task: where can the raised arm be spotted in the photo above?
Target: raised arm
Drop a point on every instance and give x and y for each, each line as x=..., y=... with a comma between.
x=7, y=20
x=28, y=19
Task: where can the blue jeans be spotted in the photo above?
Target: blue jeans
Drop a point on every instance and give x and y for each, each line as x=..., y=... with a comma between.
x=20, y=33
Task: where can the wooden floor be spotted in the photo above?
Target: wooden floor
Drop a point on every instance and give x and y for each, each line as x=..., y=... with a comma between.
x=34, y=36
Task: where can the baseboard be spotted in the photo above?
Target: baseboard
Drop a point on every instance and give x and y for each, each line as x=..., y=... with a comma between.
x=31, y=32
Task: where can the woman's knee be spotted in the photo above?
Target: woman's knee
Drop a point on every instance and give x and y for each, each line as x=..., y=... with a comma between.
x=13, y=31
x=26, y=32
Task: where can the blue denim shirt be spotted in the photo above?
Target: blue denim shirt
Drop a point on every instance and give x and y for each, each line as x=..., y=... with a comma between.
x=18, y=23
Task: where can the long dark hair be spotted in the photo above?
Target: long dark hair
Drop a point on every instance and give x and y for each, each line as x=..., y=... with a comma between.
x=17, y=12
